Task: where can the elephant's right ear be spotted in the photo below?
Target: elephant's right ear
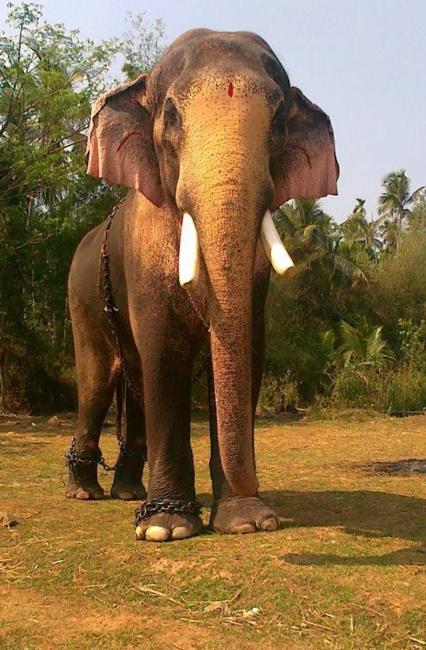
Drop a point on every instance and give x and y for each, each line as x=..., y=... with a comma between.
x=120, y=145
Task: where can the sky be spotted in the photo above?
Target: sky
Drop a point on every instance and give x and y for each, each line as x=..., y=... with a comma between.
x=362, y=61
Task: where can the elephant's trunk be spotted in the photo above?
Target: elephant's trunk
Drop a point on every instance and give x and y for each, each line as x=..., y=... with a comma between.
x=229, y=259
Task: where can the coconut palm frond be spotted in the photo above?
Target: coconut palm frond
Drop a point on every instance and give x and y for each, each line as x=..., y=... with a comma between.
x=416, y=194
x=310, y=232
x=389, y=202
x=349, y=269
x=376, y=352
x=328, y=338
x=284, y=222
x=351, y=347
x=363, y=346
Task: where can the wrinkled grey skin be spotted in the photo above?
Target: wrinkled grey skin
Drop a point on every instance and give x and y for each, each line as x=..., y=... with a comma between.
x=225, y=180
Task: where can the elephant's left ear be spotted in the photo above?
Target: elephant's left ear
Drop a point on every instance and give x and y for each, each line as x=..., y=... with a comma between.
x=307, y=167
x=120, y=145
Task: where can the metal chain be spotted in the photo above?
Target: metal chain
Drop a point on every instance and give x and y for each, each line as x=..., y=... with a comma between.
x=112, y=310
x=72, y=458
x=171, y=506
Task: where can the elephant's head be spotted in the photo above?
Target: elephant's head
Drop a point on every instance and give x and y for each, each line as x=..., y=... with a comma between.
x=217, y=132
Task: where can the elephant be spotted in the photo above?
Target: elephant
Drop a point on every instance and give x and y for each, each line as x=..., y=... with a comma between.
x=210, y=143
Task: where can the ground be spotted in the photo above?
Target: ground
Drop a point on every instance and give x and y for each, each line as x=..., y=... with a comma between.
x=346, y=570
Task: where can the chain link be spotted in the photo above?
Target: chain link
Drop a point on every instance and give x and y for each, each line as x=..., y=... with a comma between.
x=73, y=459
x=170, y=506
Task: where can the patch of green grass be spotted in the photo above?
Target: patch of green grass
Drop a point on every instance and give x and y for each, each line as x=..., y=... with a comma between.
x=346, y=569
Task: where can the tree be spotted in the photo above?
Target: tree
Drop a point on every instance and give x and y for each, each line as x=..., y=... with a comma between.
x=361, y=234
x=316, y=241
x=417, y=217
x=395, y=204
x=49, y=77
x=143, y=44
x=48, y=80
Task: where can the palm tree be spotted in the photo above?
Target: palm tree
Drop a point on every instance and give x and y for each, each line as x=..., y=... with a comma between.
x=363, y=346
x=304, y=223
x=395, y=205
x=313, y=237
x=359, y=233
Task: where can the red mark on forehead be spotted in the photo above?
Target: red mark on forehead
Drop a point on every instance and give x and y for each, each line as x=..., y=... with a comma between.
x=230, y=89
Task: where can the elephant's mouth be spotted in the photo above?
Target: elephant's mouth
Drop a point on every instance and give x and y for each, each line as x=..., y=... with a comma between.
x=189, y=252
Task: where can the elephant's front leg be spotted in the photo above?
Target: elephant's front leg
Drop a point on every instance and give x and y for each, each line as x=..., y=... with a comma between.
x=232, y=513
x=169, y=511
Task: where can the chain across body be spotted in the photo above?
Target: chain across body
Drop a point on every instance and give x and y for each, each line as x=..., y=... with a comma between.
x=73, y=459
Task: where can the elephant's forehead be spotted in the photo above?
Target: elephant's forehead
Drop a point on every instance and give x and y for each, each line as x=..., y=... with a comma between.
x=229, y=93
x=232, y=85
x=224, y=127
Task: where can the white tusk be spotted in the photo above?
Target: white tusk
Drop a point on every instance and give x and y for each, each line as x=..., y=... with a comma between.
x=189, y=253
x=274, y=248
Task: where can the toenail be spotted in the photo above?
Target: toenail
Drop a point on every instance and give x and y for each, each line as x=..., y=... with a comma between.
x=180, y=532
x=270, y=523
x=140, y=533
x=156, y=534
x=242, y=529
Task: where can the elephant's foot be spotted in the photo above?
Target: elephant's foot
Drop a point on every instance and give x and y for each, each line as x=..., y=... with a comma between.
x=83, y=473
x=127, y=484
x=83, y=484
x=127, y=491
x=164, y=527
x=239, y=515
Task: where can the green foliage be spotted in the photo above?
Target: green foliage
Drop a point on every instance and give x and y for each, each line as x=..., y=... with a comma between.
x=406, y=390
x=355, y=388
x=396, y=196
x=361, y=235
x=397, y=286
x=363, y=346
x=49, y=78
x=394, y=206
x=365, y=375
x=279, y=394
x=336, y=323
x=413, y=343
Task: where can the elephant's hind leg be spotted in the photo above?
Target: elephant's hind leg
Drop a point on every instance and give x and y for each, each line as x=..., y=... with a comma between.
x=127, y=483
x=98, y=371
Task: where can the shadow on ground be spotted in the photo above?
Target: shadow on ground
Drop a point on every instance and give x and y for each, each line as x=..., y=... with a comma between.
x=365, y=513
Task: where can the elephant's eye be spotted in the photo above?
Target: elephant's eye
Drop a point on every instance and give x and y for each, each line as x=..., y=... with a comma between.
x=278, y=127
x=171, y=115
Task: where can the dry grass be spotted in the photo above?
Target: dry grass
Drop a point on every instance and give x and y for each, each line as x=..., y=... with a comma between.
x=346, y=570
